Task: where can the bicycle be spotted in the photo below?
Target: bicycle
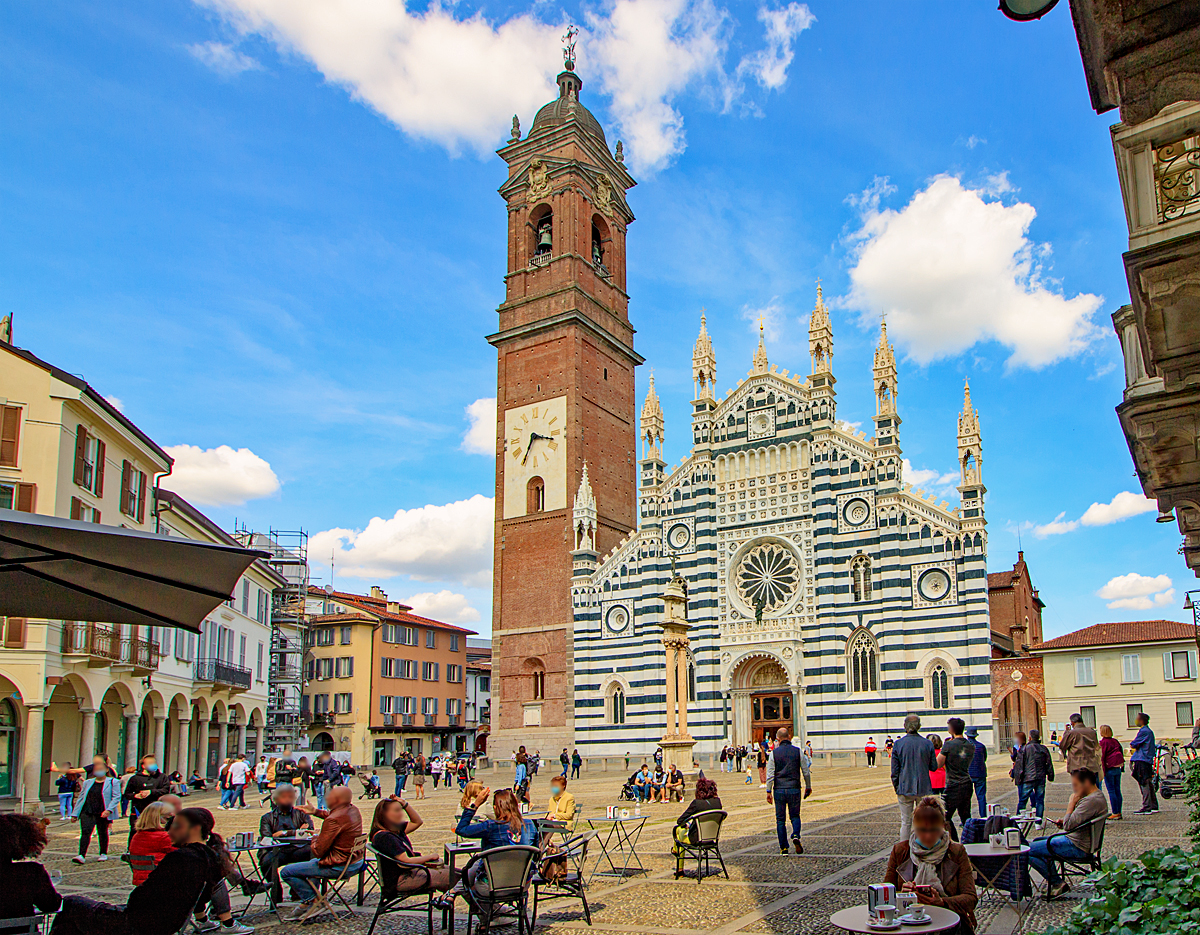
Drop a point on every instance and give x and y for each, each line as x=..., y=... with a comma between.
x=1168, y=769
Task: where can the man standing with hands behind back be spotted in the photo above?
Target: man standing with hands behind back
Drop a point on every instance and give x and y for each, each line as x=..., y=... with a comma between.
x=784, y=770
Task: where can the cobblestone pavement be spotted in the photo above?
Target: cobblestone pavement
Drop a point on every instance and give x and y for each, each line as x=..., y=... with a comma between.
x=850, y=824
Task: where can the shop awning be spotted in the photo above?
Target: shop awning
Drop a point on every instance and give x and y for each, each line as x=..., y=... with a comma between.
x=65, y=569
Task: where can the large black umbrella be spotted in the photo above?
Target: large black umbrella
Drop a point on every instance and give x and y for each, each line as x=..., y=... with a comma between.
x=65, y=569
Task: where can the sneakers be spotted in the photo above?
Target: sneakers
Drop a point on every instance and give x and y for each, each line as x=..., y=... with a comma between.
x=205, y=925
x=295, y=913
x=1144, y=811
x=102, y=857
x=784, y=851
x=79, y=859
x=237, y=927
x=1056, y=891
x=797, y=845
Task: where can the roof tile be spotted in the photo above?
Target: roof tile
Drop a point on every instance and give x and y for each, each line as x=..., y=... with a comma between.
x=1120, y=633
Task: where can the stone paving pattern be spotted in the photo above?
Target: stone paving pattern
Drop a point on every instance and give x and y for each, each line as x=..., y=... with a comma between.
x=850, y=825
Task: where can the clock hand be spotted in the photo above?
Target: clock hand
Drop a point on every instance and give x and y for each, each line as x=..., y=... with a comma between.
x=533, y=436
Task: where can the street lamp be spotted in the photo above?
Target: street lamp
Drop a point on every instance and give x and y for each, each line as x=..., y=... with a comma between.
x=1189, y=604
x=1025, y=10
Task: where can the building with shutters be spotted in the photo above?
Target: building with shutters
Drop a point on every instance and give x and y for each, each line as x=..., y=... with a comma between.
x=70, y=689
x=1111, y=672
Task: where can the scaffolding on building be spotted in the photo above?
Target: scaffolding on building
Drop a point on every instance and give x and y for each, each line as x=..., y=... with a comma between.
x=289, y=634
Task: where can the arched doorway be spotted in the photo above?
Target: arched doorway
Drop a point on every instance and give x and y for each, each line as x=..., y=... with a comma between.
x=322, y=741
x=763, y=700
x=1018, y=711
x=9, y=757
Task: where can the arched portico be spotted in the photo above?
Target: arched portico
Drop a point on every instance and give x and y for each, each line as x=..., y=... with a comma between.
x=765, y=696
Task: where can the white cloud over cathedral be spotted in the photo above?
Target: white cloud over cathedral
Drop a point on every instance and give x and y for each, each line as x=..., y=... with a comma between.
x=1122, y=506
x=955, y=267
x=1138, y=592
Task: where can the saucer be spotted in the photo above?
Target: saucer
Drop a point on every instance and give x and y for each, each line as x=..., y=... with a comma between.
x=884, y=926
x=912, y=920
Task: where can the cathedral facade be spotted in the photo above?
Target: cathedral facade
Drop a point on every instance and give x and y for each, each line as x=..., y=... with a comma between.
x=824, y=593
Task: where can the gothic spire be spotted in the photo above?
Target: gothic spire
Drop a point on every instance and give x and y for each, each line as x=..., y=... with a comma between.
x=704, y=363
x=653, y=423
x=820, y=337
x=761, y=364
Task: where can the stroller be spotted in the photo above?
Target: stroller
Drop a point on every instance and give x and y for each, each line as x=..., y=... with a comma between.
x=629, y=790
x=1168, y=770
x=371, y=787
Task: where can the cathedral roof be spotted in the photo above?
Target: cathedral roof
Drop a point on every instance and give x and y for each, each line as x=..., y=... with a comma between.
x=567, y=107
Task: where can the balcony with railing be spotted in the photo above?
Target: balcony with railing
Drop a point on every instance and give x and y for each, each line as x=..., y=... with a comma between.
x=321, y=719
x=98, y=644
x=139, y=655
x=453, y=720
x=431, y=720
x=223, y=674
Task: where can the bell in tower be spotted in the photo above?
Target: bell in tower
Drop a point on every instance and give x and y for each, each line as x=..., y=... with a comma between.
x=545, y=235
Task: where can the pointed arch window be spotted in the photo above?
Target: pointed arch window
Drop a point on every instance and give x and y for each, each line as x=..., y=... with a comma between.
x=863, y=663
x=860, y=576
x=939, y=687
x=616, y=706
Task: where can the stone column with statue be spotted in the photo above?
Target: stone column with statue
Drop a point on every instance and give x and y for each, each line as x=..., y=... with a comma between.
x=676, y=743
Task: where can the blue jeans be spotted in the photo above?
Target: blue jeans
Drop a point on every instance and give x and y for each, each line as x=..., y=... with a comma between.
x=65, y=800
x=297, y=876
x=1035, y=795
x=321, y=788
x=1112, y=780
x=642, y=792
x=1043, y=851
x=227, y=796
x=401, y=779
x=981, y=795
x=787, y=802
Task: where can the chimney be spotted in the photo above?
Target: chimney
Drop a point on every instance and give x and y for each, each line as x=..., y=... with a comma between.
x=393, y=607
x=378, y=593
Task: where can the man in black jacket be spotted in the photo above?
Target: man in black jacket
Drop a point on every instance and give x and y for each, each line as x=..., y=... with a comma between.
x=283, y=820
x=148, y=784
x=1032, y=768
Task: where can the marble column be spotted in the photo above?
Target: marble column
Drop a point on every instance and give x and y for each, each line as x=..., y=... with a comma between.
x=241, y=738
x=681, y=691
x=31, y=785
x=87, y=736
x=160, y=740
x=672, y=683
x=131, y=741
x=222, y=742
x=181, y=749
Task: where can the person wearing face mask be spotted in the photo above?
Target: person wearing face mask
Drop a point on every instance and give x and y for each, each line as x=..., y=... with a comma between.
x=562, y=804
x=148, y=784
x=934, y=867
x=96, y=806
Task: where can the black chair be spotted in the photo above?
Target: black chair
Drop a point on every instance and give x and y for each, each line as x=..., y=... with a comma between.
x=139, y=862
x=1081, y=867
x=700, y=840
x=570, y=885
x=397, y=902
x=502, y=876
x=38, y=924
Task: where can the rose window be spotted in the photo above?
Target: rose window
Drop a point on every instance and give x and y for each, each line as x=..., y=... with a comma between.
x=767, y=576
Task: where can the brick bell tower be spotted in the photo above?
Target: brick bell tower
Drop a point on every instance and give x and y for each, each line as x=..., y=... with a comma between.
x=564, y=394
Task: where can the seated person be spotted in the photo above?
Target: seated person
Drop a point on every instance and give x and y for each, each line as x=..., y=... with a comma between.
x=561, y=806
x=1087, y=802
x=641, y=783
x=196, y=781
x=332, y=849
x=706, y=800
x=150, y=838
x=934, y=867
x=658, y=784
x=507, y=826
x=160, y=906
x=390, y=826
x=27, y=888
x=674, y=786
x=284, y=820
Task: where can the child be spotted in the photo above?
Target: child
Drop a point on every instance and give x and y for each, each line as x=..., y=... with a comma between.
x=376, y=787
x=66, y=785
x=150, y=838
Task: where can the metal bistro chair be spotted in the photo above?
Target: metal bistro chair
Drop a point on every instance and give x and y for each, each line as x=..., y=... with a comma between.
x=502, y=878
x=1079, y=868
x=139, y=862
x=396, y=903
x=705, y=829
x=332, y=888
x=38, y=924
x=569, y=885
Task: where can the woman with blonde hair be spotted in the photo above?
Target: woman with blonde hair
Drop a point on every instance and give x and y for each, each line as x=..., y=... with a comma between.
x=150, y=838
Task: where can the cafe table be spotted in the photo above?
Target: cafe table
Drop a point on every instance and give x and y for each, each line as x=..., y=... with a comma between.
x=451, y=853
x=618, y=837
x=855, y=919
x=1001, y=858
x=252, y=852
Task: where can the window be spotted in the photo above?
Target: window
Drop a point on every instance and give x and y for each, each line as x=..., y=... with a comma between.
x=89, y=462
x=258, y=666
x=245, y=598
x=242, y=651
x=863, y=663
x=1131, y=667
x=539, y=685
x=309, y=668
x=20, y=497
x=345, y=667
x=484, y=683
x=429, y=671
x=14, y=632
x=454, y=706
x=406, y=669
x=305, y=706
x=324, y=668
x=616, y=711
x=84, y=512
x=320, y=704
x=431, y=639
x=535, y=495
x=429, y=706
x=691, y=681
x=385, y=704
x=341, y=703
x=860, y=575
x=1179, y=664
x=387, y=667
x=453, y=642
x=940, y=685
x=133, y=492
x=347, y=633
x=1183, y=714
x=409, y=636
x=1088, y=713
x=1083, y=671
x=406, y=705
x=10, y=435
x=263, y=605
x=324, y=636
x=1131, y=714
x=454, y=673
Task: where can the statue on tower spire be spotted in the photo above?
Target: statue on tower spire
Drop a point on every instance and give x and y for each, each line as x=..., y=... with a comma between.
x=569, y=48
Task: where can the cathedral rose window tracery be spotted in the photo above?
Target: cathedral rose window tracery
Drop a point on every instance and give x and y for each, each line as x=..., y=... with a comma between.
x=767, y=576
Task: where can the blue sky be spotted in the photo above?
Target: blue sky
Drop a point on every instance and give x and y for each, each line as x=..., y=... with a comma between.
x=273, y=226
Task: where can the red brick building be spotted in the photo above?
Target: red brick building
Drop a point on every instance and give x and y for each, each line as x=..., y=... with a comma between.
x=565, y=394
x=1018, y=687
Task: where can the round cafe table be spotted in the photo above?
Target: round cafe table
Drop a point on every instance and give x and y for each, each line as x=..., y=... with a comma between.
x=855, y=918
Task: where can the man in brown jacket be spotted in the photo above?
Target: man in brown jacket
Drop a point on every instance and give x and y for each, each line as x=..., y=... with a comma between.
x=1081, y=746
x=332, y=850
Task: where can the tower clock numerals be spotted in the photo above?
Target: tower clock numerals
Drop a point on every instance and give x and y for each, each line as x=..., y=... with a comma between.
x=534, y=435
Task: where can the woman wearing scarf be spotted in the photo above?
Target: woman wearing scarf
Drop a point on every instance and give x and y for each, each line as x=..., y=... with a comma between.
x=937, y=869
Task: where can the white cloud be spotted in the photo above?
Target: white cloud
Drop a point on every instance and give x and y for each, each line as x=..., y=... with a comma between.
x=116, y=402
x=443, y=605
x=1138, y=592
x=955, y=267
x=458, y=81
x=450, y=542
x=927, y=477
x=1124, y=505
x=222, y=58
x=219, y=476
x=480, y=436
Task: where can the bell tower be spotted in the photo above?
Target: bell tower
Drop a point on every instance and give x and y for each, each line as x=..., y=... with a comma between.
x=564, y=395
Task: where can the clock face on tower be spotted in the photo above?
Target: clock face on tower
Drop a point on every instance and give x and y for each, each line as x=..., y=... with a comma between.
x=535, y=453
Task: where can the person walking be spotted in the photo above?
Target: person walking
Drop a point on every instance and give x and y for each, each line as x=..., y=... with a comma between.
x=869, y=750
x=148, y=784
x=1032, y=770
x=956, y=756
x=761, y=757
x=419, y=776
x=96, y=807
x=1144, y=748
x=401, y=765
x=1112, y=758
x=576, y=764
x=1080, y=744
x=784, y=771
x=564, y=760
x=978, y=770
x=239, y=778
x=913, y=759
x=260, y=774
x=724, y=757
